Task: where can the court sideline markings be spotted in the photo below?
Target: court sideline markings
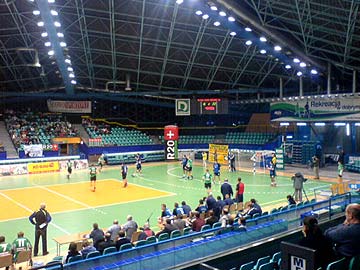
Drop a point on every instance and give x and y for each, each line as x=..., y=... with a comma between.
x=31, y=211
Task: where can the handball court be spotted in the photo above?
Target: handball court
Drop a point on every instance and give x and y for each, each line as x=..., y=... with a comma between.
x=74, y=208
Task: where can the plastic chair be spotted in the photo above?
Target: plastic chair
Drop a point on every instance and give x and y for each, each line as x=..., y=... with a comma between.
x=218, y=225
x=151, y=240
x=6, y=260
x=267, y=266
x=125, y=246
x=175, y=234
x=24, y=256
x=260, y=262
x=247, y=266
x=256, y=215
x=75, y=259
x=163, y=236
x=93, y=254
x=276, y=257
x=205, y=228
x=109, y=250
x=337, y=265
x=355, y=263
x=140, y=243
x=187, y=231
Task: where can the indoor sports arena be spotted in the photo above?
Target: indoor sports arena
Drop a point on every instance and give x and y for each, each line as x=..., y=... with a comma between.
x=180, y=134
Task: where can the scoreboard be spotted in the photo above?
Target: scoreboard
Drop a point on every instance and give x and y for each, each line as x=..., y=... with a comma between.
x=209, y=106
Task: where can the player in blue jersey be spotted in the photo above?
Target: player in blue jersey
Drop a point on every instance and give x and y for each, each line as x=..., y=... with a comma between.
x=216, y=169
x=184, y=162
x=138, y=164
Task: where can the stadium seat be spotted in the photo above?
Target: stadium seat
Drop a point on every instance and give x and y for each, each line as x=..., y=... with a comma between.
x=300, y=204
x=175, y=234
x=93, y=254
x=6, y=260
x=125, y=246
x=151, y=240
x=276, y=257
x=256, y=215
x=187, y=231
x=247, y=266
x=337, y=265
x=217, y=225
x=260, y=262
x=75, y=259
x=267, y=266
x=109, y=250
x=141, y=243
x=205, y=228
x=24, y=256
x=355, y=263
x=163, y=236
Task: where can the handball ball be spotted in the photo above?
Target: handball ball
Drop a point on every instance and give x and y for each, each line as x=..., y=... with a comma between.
x=133, y=175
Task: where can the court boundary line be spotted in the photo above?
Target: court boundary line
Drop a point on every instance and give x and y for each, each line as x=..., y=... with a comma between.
x=31, y=211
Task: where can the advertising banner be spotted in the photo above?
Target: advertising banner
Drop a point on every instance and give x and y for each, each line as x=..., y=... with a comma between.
x=69, y=106
x=218, y=152
x=171, y=136
x=78, y=164
x=43, y=167
x=33, y=150
x=13, y=169
x=321, y=109
x=182, y=107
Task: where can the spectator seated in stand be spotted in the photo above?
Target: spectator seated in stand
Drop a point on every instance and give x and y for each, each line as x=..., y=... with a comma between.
x=212, y=219
x=168, y=227
x=146, y=232
x=201, y=207
x=86, y=248
x=106, y=243
x=197, y=223
x=186, y=208
x=72, y=252
x=290, y=200
x=121, y=240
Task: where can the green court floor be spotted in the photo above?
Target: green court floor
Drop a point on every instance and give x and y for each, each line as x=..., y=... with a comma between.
x=161, y=178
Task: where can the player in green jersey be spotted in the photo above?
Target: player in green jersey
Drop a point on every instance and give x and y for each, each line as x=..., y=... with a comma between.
x=92, y=178
x=69, y=168
x=189, y=168
x=4, y=247
x=207, y=180
x=21, y=243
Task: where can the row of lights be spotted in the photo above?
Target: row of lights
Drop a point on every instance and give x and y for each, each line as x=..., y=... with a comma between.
x=322, y=124
x=295, y=62
x=60, y=35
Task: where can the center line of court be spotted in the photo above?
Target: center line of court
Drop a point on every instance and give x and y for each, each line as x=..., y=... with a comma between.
x=31, y=211
x=73, y=200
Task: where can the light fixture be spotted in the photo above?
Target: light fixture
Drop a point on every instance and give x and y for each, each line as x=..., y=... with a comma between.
x=299, y=73
x=248, y=42
x=284, y=124
x=198, y=12
x=314, y=71
x=263, y=39
x=36, y=12
x=233, y=34
x=287, y=66
x=320, y=124
x=357, y=124
x=231, y=19
x=51, y=52
x=339, y=124
x=277, y=48
x=296, y=60
x=54, y=12
x=179, y=2
x=73, y=82
x=262, y=51
x=301, y=124
x=205, y=16
x=70, y=69
x=71, y=75
x=57, y=24
x=347, y=129
x=44, y=34
x=40, y=24
x=47, y=44
x=214, y=8
x=216, y=23
x=302, y=64
x=61, y=35
x=248, y=29
x=222, y=13
x=68, y=61
x=62, y=44
x=51, y=1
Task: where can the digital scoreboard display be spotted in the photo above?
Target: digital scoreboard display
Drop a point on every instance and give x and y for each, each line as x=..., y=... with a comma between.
x=211, y=106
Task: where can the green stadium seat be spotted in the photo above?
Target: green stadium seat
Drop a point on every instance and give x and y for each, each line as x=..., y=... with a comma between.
x=337, y=265
x=247, y=266
x=75, y=259
x=163, y=236
x=93, y=254
x=109, y=250
x=125, y=246
x=151, y=240
x=175, y=234
x=260, y=262
x=187, y=231
x=141, y=243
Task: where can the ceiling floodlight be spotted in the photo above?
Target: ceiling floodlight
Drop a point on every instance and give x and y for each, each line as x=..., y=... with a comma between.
x=51, y=52
x=248, y=29
x=314, y=72
x=68, y=61
x=198, y=12
x=232, y=34
x=263, y=39
x=36, y=12
x=296, y=60
x=61, y=35
x=44, y=34
x=216, y=23
x=51, y=1
x=47, y=44
x=284, y=124
x=339, y=124
x=71, y=75
x=57, y=24
x=299, y=73
x=54, y=12
x=262, y=51
x=277, y=48
x=287, y=66
x=70, y=69
x=249, y=42
x=222, y=13
x=302, y=64
x=231, y=19
x=73, y=82
x=40, y=24
x=320, y=124
x=62, y=44
x=214, y=8
x=301, y=124
x=205, y=16
x=179, y=2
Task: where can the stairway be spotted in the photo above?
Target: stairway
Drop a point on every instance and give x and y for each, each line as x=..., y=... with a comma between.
x=6, y=141
x=82, y=132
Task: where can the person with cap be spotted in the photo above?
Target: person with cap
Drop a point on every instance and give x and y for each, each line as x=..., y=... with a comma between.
x=40, y=219
x=226, y=188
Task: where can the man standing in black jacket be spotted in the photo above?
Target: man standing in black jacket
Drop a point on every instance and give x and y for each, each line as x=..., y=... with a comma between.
x=40, y=219
x=226, y=188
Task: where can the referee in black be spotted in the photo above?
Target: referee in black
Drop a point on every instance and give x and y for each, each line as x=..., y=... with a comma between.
x=40, y=219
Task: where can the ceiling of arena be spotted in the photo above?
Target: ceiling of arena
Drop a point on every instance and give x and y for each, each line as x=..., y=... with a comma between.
x=163, y=46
